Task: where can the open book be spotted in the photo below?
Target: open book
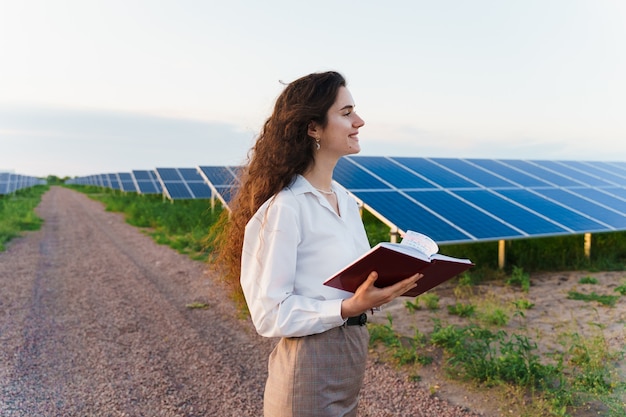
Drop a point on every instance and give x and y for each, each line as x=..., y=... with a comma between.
x=396, y=261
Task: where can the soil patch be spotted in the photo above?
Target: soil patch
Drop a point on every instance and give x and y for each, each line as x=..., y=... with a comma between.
x=549, y=323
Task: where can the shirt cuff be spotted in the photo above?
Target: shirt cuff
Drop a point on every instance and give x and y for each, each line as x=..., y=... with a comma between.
x=331, y=313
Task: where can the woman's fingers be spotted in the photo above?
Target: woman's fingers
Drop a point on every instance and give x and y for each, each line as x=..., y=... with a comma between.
x=394, y=291
x=370, y=296
x=405, y=285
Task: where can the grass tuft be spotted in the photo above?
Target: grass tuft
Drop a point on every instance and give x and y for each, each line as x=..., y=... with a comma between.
x=17, y=213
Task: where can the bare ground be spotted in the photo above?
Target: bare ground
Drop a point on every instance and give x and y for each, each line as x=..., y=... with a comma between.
x=550, y=323
x=94, y=322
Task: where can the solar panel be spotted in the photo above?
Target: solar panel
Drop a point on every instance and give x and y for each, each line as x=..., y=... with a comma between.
x=222, y=180
x=182, y=183
x=114, y=182
x=393, y=174
x=548, y=176
x=200, y=189
x=126, y=182
x=400, y=210
x=226, y=194
x=577, y=175
x=177, y=190
x=597, y=171
x=169, y=174
x=518, y=177
x=10, y=182
x=587, y=207
x=462, y=200
x=615, y=167
x=473, y=172
x=146, y=182
x=438, y=174
x=4, y=183
x=475, y=221
x=354, y=177
x=518, y=216
x=561, y=214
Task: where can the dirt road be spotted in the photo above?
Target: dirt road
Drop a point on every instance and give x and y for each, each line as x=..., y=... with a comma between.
x=94, y=322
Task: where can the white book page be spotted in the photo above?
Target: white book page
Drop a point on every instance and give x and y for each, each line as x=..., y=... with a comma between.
x=427, y=248
x=420, y=242
x=406, y=249
x=450, y=258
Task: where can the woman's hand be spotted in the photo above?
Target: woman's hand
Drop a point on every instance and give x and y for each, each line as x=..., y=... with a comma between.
x=367, y=296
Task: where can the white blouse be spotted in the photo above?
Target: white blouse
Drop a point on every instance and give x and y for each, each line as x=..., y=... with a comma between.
x=293, y=243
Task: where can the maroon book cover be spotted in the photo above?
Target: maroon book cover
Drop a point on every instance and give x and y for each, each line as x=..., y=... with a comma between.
x=394, y=262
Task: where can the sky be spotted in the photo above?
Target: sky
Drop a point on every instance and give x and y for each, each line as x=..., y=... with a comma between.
x=90, y=86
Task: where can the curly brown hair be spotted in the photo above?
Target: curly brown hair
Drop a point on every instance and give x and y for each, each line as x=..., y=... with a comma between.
x=282, y=150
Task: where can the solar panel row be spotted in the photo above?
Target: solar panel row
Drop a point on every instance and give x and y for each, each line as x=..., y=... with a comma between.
x=462, y=200
x=451, y=200
x=174, y=183
x=143, y=182
x=10, y=182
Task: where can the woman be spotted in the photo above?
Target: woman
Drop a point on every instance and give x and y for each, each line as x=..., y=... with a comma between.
x=294, y=227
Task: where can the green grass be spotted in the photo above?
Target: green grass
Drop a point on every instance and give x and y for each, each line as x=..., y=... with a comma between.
x=607, y=300
x=588, y=280
x=523, y=304
x=520, y=278
x=17, y=213
x=196, y=305
x=431, y=300
x=492, y=357
x=413, y=306
x=566, y=253
x=509, y=365
x=462, y=310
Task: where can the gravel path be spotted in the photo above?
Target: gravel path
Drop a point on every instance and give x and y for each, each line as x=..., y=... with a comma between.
x=93, y=322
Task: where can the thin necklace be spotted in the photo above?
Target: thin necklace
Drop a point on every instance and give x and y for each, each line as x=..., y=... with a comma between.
x=331, y=192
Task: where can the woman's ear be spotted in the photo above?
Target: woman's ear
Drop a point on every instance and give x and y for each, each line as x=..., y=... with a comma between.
x=313, y=130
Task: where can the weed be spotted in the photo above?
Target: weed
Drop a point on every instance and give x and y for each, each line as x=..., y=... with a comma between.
x=402, y=350
x=465, y=286
x=415, y=378
x=621, y=289
x=17, y=213
x=461, y=310
x=496, y=317
x=607, y=300
x=197, y=305
x=520, y=306
x=466, y=280
x=431, y=300
x=383, y=333
x=491, y=357
x=588, y=280
x=523, y=304
x=412, y=306
x=491, y=311
x=591, y=375
x=520, y=278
